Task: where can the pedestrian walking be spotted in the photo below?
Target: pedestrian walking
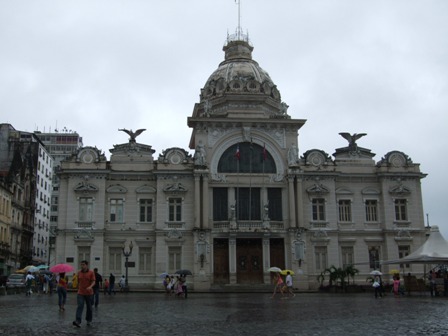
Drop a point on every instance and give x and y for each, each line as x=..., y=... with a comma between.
x=51, y=283
x=122, y=283
x=183, y=281
x=61, y=289
x=86, y=281
x=29, y=283
x=46, y=285
x=97, y=287
x=289, y=284
x=106, y=286
x=279, y=284
x=178, y=287
x=171, y=284
x=111, y=284
x=378, y=287
x=75, y=281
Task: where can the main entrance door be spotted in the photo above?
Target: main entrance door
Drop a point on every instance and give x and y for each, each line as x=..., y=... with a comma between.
x=221, y=261
x=249, y=261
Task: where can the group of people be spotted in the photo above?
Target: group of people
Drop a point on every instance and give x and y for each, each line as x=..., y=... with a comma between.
x=39, y=283
x=176, y=286
x=283, y=286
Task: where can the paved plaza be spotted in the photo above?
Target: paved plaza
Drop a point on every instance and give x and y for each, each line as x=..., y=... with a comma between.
x=229, y=314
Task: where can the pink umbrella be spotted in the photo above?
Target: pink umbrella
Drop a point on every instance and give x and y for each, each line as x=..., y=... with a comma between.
x=62, y=268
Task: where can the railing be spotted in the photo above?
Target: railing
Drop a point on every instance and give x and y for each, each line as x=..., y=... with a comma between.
x=249, y=225
x=84, y=225
x=174, y=225
x=318, y=225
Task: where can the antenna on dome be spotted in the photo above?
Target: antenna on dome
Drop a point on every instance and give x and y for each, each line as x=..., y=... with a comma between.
x=238, y=33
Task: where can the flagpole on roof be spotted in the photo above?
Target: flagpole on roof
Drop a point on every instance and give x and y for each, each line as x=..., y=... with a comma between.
x=237, y=155
x=250, y=178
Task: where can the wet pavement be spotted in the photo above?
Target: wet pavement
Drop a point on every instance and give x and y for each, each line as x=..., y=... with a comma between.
x=229, y=314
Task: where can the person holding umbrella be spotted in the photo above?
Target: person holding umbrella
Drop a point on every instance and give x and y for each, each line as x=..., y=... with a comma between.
x=62, y=290
x=86, y=281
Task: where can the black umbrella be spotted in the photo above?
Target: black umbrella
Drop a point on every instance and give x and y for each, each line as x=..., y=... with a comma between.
x=184, y=272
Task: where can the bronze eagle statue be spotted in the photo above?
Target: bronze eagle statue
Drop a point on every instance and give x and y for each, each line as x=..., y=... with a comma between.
x=351, y=138
x=132, y=134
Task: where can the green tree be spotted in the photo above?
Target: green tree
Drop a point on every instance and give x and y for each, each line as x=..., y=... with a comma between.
x=351, y=271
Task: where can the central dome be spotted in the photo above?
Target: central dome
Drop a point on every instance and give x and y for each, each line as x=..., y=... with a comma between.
x=239, y=74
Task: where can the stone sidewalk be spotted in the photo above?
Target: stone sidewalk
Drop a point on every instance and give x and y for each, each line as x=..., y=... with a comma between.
x=229, y=314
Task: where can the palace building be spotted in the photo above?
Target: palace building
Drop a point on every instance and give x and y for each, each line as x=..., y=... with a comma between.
x=242, y=201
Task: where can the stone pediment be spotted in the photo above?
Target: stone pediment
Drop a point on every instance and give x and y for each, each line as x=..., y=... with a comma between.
x=116, y=189
x=85, y=187
x=395, y=159
x=175, y=188
x=174, y=156
x=343, y=191
x=399, y=190
x=370, y=191
x=145, y=189
x=316, y=157
x=317, y=189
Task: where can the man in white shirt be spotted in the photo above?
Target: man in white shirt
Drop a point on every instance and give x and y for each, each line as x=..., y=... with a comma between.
x=28, y=283
x=289, y=284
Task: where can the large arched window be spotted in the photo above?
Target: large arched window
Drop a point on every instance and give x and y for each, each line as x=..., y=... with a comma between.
x=246, y=157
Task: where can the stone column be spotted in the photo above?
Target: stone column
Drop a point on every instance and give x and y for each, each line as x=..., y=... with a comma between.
x=232, y=260
x=197, y=203
x=292, y=203
x=299, y=202
x=266, y=259
x=205, y=201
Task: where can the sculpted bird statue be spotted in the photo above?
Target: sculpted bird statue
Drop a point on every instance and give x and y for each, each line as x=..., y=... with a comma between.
x=132, y=134
x=351, y=138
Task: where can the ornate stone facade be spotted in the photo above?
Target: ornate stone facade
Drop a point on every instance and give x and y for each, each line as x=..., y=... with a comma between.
x=245, y=201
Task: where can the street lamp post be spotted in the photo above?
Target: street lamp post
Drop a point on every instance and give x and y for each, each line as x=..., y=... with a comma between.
x=127, y=254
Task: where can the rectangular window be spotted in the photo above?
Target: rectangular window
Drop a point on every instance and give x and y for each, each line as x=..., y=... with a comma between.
x=144, y=263
x=371, y=210
x=115, y=254
x=374, y=257
x=404, y=251
x=175, y=210
x=83, y=254
x=174, y=262
x=347, y=256
x=275, y=204
x=146, y=210
x=220, y=204
x=318, y=207
x=85, y=209
x=401, y=210
x=116, y=211
x=320, y=255
x=248, y=203
x=345, y=211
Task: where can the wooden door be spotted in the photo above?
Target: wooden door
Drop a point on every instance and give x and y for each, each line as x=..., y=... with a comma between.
x=221, y=261
x=249, y=260
x=277, y=252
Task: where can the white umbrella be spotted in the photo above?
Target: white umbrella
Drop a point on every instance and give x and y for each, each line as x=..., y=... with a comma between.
x=376, y=272
x=274, y=269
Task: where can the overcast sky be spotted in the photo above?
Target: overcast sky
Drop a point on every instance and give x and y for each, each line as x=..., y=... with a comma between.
x=379, y=67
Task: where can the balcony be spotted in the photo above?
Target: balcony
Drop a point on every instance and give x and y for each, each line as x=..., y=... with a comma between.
x=318, y=225
x=251, y=226
x=85, y=225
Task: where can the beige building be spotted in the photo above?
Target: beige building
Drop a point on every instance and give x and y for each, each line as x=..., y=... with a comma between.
x=243, y=202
